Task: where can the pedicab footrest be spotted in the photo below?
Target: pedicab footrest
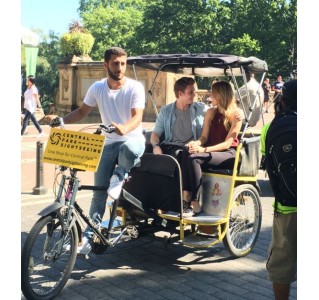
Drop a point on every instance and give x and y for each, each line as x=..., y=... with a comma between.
x=206, y=219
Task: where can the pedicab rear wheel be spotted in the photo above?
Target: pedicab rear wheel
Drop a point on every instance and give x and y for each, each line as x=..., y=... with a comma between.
x=244, y=221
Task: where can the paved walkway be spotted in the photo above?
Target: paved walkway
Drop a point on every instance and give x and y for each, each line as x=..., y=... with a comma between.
x=145, y=268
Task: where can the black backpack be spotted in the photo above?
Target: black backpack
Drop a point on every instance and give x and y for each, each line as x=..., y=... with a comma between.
x=281, y=157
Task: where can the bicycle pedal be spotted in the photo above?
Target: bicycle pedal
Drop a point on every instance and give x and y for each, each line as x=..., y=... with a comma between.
x=132, y=231
x=86, y=256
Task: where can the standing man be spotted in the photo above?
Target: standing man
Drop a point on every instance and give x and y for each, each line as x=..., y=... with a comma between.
x=121, y=102
x=280, y=149
x=277, y=87
x=255, y=97
x=266, y=88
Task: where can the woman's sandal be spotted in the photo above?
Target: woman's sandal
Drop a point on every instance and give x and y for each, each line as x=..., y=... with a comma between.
x=196, y=212
x=186, y=204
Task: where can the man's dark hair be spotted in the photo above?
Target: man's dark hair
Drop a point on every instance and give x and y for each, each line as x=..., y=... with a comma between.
x=113, y=51
x=182, y=83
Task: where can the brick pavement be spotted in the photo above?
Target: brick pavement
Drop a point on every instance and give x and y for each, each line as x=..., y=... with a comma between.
x=146, y=268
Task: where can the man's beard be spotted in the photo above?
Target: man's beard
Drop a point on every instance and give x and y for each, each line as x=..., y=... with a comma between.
x=113, y=76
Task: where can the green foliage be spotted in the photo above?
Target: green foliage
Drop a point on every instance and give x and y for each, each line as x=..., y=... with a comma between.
x=112, y=23
x=244, y=46
x=76, y=43
x=177, y=26
x=264, y=28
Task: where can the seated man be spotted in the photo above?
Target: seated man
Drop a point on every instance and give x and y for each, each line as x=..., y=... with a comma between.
x=179, y=122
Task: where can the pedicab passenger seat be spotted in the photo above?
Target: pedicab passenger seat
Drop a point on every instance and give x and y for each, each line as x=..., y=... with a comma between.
x=248, y=162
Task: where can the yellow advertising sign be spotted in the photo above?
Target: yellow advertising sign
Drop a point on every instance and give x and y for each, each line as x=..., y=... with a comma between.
x=74, y=149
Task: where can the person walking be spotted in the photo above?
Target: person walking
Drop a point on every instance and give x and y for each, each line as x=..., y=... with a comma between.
x=121, y=102
x=31, y=102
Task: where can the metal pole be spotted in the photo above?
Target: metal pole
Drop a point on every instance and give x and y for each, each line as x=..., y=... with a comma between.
x=39, y=189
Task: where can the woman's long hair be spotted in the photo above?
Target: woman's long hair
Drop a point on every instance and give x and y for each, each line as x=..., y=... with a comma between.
x=223, y=92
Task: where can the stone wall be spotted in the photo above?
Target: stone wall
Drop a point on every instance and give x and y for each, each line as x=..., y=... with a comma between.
x=75, y=79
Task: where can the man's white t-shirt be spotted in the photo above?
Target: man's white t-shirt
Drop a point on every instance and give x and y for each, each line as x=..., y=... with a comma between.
x=30, y=102
x=115, y=106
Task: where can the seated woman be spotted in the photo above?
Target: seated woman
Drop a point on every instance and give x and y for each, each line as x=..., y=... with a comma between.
x=216, y=146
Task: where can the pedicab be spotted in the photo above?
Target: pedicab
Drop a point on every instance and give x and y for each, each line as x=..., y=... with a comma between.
x=151, y=198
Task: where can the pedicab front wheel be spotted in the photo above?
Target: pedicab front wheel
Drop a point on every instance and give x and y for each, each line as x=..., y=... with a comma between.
x=244, y=221
x=45, y=269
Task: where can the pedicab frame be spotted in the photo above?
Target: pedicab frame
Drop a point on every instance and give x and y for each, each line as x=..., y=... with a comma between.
x=222, y=224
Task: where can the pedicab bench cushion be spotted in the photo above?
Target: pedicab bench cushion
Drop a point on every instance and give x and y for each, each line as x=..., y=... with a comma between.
x=249, y=160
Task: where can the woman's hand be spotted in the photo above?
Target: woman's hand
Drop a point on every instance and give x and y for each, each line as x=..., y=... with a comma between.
x=195, y=148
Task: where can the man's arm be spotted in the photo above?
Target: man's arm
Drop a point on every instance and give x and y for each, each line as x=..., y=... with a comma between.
x=134, y=122
x=74, y=116
x=155, y=141
x=78, y=114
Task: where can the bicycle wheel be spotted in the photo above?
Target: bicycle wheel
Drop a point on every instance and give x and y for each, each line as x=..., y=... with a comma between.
x=44, y=269
x=244, y=221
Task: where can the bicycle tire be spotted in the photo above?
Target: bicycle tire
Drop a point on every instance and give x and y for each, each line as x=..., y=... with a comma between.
x=244, y=221
x=44, y=273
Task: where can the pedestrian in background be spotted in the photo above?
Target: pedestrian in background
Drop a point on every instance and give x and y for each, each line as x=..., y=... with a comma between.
x=251, y=102
x=277, y=87
x=31, y=102
x=266, y=88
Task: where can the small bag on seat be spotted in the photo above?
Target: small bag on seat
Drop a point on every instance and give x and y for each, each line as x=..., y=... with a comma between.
x=250, y=157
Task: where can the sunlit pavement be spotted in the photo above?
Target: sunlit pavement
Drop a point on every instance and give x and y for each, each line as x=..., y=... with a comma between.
x=147, y=268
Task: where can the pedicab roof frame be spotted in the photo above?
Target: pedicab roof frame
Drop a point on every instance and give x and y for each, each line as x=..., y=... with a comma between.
x=204, y=65
x=200, y=64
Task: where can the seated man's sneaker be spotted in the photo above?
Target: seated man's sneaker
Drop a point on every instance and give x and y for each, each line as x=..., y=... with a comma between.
x=115, y=188
x=84, y=249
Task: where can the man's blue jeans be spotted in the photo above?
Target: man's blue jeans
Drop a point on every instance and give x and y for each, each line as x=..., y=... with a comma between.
x=117, y=158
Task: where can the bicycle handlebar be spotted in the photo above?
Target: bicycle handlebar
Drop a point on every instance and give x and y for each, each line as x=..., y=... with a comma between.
x=56, y=122
x=108, y=129
x=59, y=122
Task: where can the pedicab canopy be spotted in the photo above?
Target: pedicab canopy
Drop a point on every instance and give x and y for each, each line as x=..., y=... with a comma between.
x=199, y=64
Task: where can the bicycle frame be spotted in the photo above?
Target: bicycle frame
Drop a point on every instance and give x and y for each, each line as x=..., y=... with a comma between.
x=71, y=184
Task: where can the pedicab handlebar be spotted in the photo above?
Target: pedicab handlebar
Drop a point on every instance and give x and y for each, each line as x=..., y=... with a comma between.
x=56, y=122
